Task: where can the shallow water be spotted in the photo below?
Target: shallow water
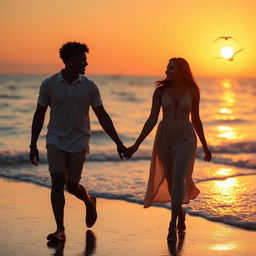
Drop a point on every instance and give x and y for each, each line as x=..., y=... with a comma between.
x=228, y=112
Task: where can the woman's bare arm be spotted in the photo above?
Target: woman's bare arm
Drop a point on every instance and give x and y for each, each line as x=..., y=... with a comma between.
x=196, y=121
x=150, y=123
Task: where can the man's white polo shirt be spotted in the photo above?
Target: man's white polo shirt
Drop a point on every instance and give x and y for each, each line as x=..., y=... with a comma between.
x=69, y=124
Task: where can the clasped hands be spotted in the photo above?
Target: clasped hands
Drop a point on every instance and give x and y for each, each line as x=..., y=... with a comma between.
x=125, y=152
x=128, y=152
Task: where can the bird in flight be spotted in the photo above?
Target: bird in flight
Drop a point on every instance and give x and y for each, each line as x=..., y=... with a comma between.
x=225, y=38
x=232, y=57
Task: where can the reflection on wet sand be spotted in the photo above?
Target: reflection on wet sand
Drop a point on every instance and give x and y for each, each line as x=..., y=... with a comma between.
x=58, y=246
x=90, y=245
x=175, y=248
x=224, y=247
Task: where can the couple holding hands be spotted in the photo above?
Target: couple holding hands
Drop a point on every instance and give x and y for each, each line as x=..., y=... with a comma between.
x=70, y=94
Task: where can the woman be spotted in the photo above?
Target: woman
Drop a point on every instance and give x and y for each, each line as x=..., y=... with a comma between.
x=174, y=150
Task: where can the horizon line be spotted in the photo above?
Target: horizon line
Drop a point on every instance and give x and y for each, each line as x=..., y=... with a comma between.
x=116, y=75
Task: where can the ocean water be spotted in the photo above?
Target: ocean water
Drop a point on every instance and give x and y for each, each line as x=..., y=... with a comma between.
x=228, y=113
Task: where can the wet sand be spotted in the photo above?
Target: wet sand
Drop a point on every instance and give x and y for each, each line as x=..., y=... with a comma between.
x=122, y=228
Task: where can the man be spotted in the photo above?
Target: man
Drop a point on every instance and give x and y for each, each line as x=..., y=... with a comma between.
x=69, y=95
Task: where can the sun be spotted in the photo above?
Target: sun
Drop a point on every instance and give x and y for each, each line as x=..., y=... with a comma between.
x=227, y=52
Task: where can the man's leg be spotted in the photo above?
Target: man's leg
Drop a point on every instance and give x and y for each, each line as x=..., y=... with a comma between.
x=79, y=191
x=58, y=199
x=57, y=167
x=75, y=163
x=75, y=166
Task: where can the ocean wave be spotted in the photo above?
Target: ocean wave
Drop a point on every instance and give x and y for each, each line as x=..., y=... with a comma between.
x=4, y=105
x=127, y=96
x=26, y=178
x=12, y=158
x=8, y=128
x=101, y=134
x=10, y=117
x=12, y=87
x=235, y=148
x=98, y=133
x=248, y=163
x=224, y=177
x=6, y=96
x=23, y=110
x=230, y=220
x=22, y=157
x=226, y=121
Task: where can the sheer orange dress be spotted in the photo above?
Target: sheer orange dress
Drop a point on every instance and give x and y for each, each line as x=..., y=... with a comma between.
x=173, y=156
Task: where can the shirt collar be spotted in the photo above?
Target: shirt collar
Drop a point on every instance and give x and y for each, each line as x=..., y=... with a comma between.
x=80, y=77
x=60, y=77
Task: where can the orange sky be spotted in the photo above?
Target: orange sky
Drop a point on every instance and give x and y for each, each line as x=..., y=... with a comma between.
x=128, y=36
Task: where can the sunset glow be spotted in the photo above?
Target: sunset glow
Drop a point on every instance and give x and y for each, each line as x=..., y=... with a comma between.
x=32, y=33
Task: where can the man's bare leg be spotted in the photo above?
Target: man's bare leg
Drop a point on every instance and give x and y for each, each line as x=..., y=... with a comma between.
x=58, y=203
x=81, y=193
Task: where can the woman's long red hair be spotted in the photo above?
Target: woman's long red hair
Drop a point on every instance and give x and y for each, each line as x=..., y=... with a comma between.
x=187, y=77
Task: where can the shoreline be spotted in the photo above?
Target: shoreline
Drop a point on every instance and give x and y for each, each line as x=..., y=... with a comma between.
x=122, y=228
x=192, y=213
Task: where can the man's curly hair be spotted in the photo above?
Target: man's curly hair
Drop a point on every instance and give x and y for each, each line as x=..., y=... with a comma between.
x=70, y=49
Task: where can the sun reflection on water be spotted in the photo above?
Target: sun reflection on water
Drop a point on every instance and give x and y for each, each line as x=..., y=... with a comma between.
x=229, y=98
x=226, y=111
x=228, y=132
x=226, y=84
x=225, y=171
x=225, y=191
x=225, y=186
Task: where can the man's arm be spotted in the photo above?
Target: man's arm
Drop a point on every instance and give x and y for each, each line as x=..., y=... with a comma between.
x=37, y=125
x=107, y=125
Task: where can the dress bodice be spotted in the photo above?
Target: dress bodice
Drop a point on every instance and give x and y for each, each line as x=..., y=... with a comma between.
x=176, y=111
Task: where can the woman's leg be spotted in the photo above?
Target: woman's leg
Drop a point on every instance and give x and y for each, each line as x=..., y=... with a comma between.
x=176, y=209
x=181, y=221
x=181, y=165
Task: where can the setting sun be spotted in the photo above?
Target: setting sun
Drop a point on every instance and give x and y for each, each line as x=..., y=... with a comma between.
x=137, y=46
x=227, y=52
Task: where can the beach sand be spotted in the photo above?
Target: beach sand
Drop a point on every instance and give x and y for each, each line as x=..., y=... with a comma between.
x=122, y=228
